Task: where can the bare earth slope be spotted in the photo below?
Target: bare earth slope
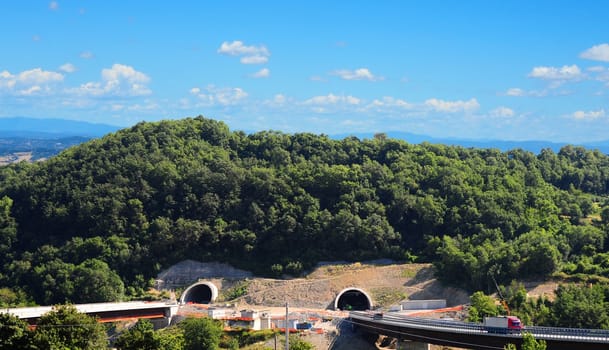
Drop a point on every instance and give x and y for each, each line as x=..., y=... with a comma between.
x=385, y=283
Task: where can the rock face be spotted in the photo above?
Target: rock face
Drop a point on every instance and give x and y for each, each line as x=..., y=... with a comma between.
x=189, y=271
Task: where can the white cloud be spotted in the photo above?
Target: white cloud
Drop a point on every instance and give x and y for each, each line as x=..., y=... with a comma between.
x=68, y=68
x=249, y=54
x=263, y=73
x=552, y=73
x=38, y=76
x=590, y=115
x=86, y=55
x=53, y=5
x=358, y=74
x=282, y=101
x=279, y=99
x=597, y=53
x=119, y=80
x=537, y=93
x=257, y=59
x=29, y=82
x=123, y=72
x=212, y=95
x=30, y=91
x=600, y=73
x=515, y=92
x=452, y=106
x=332, y=99
x=502, y=112
x=391, y=102
x=596, y=69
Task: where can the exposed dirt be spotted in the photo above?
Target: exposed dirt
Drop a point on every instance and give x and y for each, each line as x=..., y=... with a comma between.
x=385, y=284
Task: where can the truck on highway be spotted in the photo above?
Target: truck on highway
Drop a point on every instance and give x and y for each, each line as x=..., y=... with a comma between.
x=502, y=324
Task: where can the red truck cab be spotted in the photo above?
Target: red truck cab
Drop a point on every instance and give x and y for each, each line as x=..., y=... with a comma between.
x=514, y=323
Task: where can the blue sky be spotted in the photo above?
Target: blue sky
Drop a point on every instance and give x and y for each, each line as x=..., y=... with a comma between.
x=511, y=70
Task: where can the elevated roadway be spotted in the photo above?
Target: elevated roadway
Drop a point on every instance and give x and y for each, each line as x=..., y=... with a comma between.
x=473, y=335
x=105, y=312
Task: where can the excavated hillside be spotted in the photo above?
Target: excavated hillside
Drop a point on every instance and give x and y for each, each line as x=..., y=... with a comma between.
x=386, y=283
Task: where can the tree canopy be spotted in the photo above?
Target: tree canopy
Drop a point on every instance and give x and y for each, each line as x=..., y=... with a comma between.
x=114, y=211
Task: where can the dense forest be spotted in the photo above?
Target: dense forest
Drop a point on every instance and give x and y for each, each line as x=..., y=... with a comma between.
x=118, y=209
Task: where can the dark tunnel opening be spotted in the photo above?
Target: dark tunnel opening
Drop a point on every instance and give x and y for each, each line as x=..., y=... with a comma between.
x=353, y=300
x=199, y=294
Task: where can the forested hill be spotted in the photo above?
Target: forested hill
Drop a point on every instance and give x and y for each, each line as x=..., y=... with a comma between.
x=99, y=220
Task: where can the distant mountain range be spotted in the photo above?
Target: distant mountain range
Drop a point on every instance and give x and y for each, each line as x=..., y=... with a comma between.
x=33, y=139
x=51, y=128
x=42, y=138
x=534, y=146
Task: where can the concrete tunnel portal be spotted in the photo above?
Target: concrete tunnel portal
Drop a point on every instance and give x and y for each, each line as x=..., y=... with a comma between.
x=200, y=293
x=352, y=299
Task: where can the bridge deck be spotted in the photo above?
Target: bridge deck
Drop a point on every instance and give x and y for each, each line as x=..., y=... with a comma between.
x=472, y=335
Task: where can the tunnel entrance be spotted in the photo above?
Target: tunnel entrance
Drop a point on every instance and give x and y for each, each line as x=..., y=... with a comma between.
x=352, y=299
x=200, y=293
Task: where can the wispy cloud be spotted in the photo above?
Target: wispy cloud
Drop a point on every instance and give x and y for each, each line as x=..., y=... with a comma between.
x=68, y=68
x=515, y=92
x=263, y=73
x=597, y=53
x=53, y=5
x=502, y=111
x=357, y=74
x=588, y=115
x=388, y=102
x=212, y=95
x=86, y=55
x=249, y=54
x=438, y=105
x=332, y=99
x=553, y=73
x=600, y=73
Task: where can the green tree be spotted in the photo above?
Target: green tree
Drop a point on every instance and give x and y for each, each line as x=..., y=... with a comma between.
x=8, y=229
x=95, y=282
x=66, y=328
x=171, y=338
x=580, y=307
x=298, y=344
x=14, y=333
x=140, y=336
x=481, y=306
x=528, y=343
x=10, y=298
x=201, y=333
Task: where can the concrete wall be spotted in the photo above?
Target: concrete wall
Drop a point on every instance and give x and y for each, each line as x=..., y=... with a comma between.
x=423, y=304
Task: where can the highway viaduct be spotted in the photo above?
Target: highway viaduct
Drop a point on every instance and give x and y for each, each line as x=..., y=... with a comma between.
x=472, y=335
x=160, y=312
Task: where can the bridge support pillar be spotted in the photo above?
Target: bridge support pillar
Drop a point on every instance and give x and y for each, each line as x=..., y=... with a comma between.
x=412, y=345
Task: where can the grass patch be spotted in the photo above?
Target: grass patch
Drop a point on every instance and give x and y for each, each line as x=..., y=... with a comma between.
x=236, y=291
x=408, y=273
x=387, y=296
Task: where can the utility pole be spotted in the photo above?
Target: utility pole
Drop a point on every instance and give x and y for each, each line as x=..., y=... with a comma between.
x=287, y=329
